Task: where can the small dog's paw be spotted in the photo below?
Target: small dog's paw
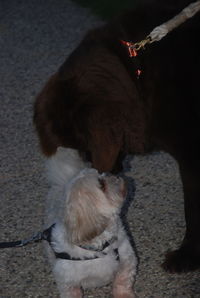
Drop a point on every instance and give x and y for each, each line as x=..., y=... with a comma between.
x=119, y=292
x=181, y=260
x=125, y=295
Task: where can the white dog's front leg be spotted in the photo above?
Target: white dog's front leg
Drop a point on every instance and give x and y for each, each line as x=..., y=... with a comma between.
x=123, y=283
x=125, y=277
x=62, y=273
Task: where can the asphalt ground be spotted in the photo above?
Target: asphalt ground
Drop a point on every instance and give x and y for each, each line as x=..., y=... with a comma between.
x=35, y=38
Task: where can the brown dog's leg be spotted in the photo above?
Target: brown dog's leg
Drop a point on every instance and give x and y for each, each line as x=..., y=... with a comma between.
x=187, y=258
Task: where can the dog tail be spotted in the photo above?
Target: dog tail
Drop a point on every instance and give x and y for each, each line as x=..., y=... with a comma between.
x=63, y=166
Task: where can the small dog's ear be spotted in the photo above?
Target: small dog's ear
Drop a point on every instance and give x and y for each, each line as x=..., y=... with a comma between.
x=83, y=220
x=85, y=230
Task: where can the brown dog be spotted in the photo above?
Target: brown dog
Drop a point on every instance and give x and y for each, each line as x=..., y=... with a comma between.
x=97, y=104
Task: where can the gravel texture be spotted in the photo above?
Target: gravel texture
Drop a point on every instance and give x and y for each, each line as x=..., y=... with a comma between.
x=35, y=38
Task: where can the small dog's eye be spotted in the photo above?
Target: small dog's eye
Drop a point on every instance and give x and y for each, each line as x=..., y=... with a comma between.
x=102, y=184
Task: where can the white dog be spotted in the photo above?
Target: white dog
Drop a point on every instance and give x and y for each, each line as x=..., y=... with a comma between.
x=88, y=244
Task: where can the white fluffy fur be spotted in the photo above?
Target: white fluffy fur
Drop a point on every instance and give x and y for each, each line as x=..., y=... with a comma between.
x=86, y=212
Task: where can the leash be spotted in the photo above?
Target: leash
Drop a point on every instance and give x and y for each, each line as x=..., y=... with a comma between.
x=45, y=235
x=161, y=31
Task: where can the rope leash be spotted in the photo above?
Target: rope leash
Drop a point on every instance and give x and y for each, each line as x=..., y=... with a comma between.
x=161, y=31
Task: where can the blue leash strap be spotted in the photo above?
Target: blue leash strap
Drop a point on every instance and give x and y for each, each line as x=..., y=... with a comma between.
x=45, y=235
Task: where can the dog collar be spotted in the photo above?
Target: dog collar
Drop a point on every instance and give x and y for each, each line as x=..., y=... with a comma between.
x=133, y=53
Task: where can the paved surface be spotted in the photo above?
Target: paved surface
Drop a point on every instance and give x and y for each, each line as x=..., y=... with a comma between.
x=35, y=38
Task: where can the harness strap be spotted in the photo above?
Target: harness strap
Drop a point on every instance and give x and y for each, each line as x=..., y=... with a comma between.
x=66, y=256
x=46, y=235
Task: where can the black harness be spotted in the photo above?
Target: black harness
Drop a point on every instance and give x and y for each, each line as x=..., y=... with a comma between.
x=46, y=235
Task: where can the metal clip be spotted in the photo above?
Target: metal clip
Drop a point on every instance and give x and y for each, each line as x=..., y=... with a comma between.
x=141, y=45
x=34, y=238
